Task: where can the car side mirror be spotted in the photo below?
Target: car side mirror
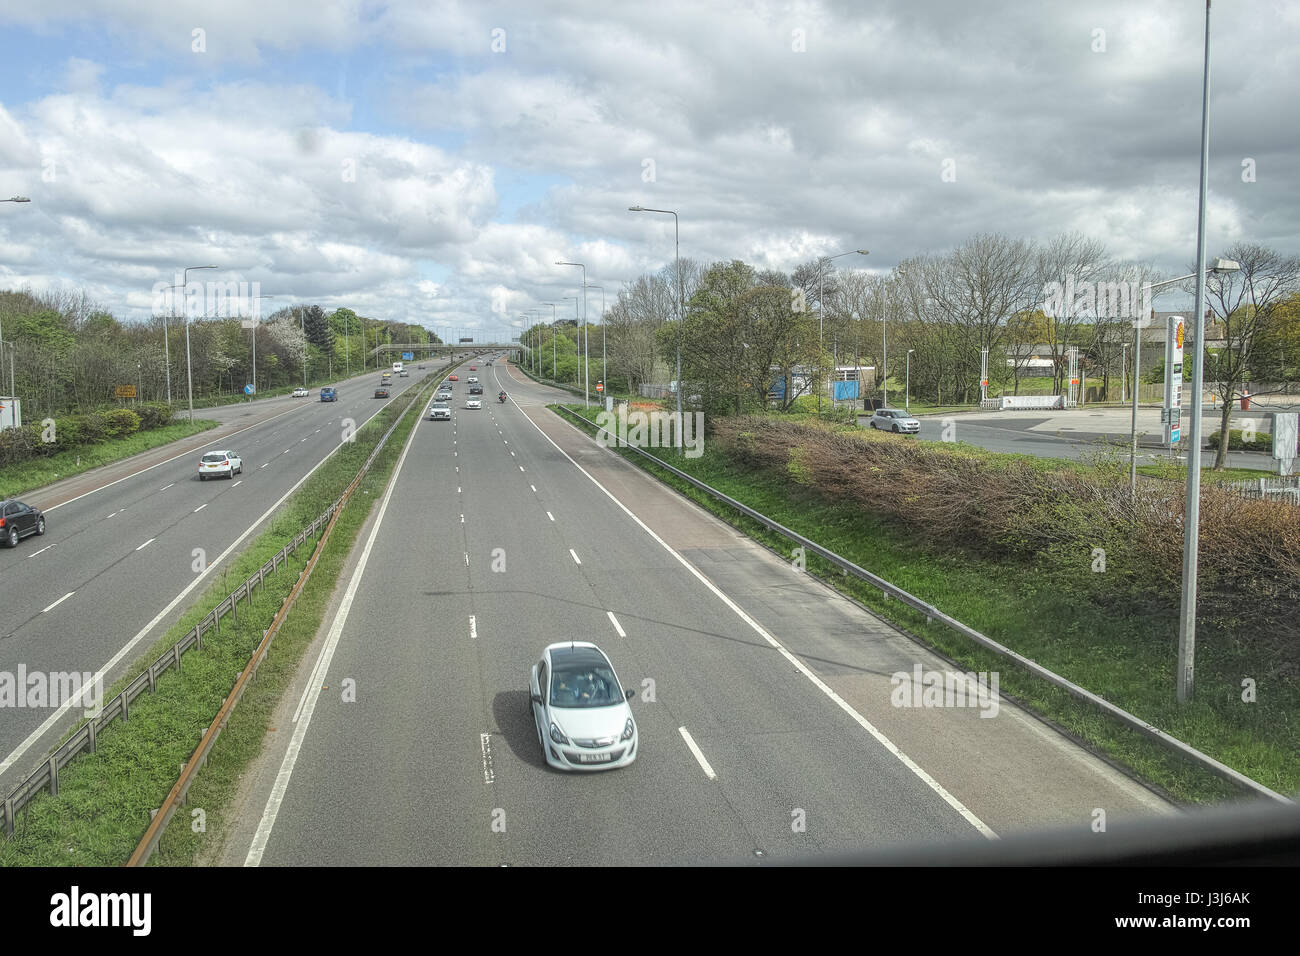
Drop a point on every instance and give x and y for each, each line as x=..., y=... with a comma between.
x=629, y=694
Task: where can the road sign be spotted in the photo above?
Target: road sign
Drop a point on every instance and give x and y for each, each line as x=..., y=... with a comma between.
x=600, y=386
x=124, y=391
x=1175, y=335
x=248, y=390
x=408, y=356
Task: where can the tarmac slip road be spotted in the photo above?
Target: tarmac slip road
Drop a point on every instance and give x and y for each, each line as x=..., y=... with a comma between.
x=413, y=742
x=120, y=564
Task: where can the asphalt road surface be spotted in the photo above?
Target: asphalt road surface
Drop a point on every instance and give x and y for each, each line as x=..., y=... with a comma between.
x=117, y=565
x=763, y=698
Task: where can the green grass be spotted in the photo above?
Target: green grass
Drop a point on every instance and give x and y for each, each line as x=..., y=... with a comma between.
x=1127, y=655
x=24, y=476
x=105, y=799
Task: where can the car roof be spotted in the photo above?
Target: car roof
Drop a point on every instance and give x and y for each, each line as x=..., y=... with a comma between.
x=577, y=654
x=218, y=451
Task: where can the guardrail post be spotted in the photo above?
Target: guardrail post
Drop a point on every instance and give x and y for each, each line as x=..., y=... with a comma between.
x=152, y=679
x=54, y=775
x=9, y=816
x=126, y=702
x=94, y=734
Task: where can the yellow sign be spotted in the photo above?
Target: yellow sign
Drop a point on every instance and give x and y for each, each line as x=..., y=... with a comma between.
x=1180, y=335
x=124, y=391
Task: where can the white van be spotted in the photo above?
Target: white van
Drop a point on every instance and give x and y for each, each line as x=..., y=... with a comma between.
x=397, y=368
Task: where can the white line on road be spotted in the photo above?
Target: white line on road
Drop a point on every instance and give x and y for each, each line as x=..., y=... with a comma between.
x=263, y=464
x=521, y=467
x=799, y=665
x=113, y=515
x=165, y=487
x=238, y=483
x=59, y=601
x=534, y=487
x=575, y=556
x=551, y=516
x=613, y=620
x=146, y=544
x=699, y=754
x=473, y=628
x=512, y=454
x=199, y=508
x=485, y=744
x=308, y=704
x=43, y=550
x=467, y=559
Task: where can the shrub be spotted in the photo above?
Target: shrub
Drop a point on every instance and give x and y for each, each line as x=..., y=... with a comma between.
x=1262, y=442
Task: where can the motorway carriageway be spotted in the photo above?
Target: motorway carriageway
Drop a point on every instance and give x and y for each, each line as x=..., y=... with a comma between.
x=117, y=565
x=763, y=697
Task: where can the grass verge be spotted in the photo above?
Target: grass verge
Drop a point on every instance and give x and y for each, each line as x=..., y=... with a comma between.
x=27, y=475
x=1126, y=655
x=106, y=798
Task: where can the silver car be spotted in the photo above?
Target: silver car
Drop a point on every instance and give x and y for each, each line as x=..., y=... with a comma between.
x=895, y=420
x=580, y=712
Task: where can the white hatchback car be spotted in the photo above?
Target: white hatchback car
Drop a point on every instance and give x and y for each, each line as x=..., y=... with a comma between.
x=580, y=711
x=895, y=420
x=220, y=464
x=300, y=393
x=473, y=403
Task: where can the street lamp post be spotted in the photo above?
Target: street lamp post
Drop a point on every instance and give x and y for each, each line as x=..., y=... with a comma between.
x=553, y=372
x=681, y=303
x=256, y=320
x=907, y=383
x=821, y=312
x=586, y=361
x=574, y=299
x=604, y=372
x=189, y=368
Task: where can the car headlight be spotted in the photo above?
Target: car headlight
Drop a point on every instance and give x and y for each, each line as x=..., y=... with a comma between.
x=557, y=735
x=628, y=729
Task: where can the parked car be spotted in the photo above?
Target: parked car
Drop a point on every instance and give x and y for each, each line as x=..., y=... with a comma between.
x=18, y=520
x=328, y=394
x=440, y=412
x=219, y=464
x=580, y=711
x=381, y=392
x=895, y=420
x=300, y=393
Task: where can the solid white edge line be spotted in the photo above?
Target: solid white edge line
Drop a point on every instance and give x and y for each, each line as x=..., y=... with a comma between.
x=699, y=754
x=101, y=675
x=59, y=601
x=618, y=627
x=844, y=705
x=308, y=706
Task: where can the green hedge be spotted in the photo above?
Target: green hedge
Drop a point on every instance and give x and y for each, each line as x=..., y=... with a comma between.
x=34, y=440
x=1263, y=441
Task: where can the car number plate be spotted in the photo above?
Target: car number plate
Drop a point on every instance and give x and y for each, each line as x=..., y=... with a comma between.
x=592, y=758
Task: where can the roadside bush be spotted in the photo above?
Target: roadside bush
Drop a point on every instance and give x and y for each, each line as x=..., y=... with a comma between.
x=1051, y=517
x=73, y=431
x=154, y=414
x=1262, y=442
x=121, y=421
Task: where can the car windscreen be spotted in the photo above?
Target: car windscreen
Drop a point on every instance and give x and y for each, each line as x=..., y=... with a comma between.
x=212, y=459
x=583, y=680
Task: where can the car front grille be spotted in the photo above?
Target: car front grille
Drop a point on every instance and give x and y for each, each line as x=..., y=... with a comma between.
x=595, y=742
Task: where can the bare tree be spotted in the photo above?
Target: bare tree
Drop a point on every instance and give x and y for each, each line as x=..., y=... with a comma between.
x=1245, y=301
x=1072, y=264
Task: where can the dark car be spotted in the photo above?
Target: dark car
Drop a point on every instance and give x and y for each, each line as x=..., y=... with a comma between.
x=381, y=393
x=18, y=520
x=328, y=395
x=476, y=389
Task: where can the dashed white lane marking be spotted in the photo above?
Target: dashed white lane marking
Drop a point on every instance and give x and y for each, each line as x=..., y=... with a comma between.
x=165, y=487
x=238, y=483
x=699, y=754
x=59, y=601
x=473, y=628
x=618, y=627
x=534, y=487
x=577, y=559
x=551, y=516
x=199, y=508
x=146, y=544
x=485, y=744
x=44, y=549
x=263, y=464
x=467, y=559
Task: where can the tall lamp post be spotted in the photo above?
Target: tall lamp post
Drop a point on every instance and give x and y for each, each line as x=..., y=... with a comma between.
x=586, y=361
x=553, y=372
x=11, y=345
x=821, y=312
x=189, y=368
x=604, y=372
x=257, y=320
x=574, y=300
x=907, y=383
x=681, y=301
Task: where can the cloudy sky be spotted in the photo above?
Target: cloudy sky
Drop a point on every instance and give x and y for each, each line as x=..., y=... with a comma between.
x=428, y=161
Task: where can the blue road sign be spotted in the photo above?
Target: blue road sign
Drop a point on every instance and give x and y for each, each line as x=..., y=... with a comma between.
x=248, y=390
